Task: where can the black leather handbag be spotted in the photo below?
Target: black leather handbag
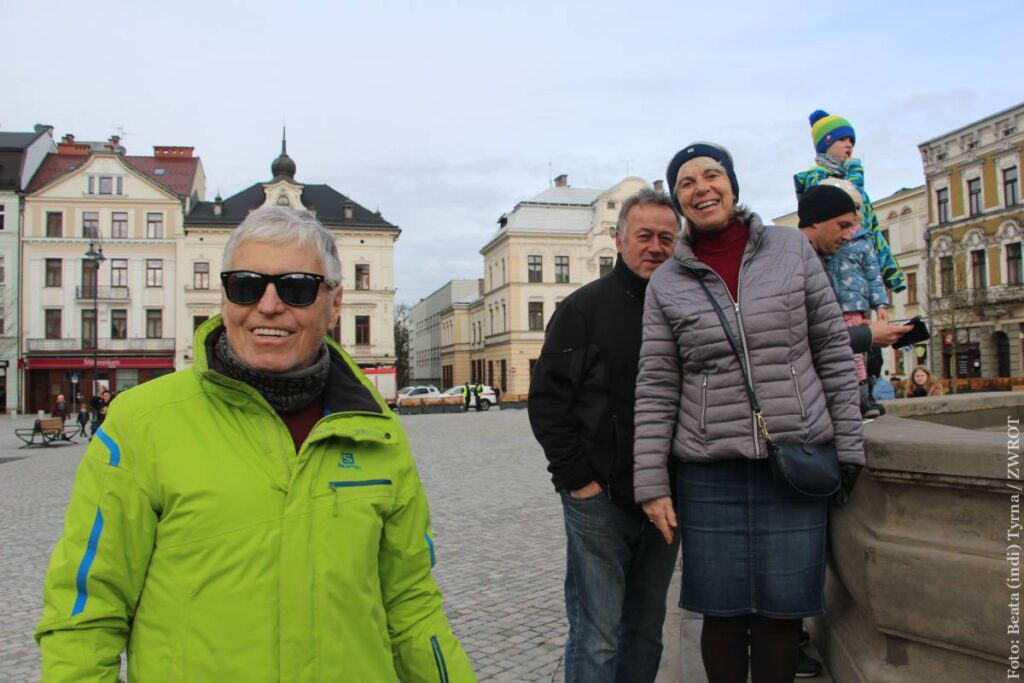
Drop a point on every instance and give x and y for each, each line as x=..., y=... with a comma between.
x=810, y=470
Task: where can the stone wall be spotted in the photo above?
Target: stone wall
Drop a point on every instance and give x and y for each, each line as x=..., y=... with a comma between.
x=917, y=588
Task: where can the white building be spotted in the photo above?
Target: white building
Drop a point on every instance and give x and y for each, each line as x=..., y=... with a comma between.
x=365, y=243
x=433, y=330
x=20, y=156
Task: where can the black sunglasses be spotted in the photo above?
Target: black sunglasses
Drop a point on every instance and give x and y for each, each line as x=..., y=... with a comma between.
x=244, y=287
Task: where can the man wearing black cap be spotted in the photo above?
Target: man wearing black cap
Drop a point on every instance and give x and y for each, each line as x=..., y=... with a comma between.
x=828, y=216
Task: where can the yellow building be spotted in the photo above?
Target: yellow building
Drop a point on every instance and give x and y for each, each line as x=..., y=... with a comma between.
x=108, y=319
x=544, y=249
x=973, y=241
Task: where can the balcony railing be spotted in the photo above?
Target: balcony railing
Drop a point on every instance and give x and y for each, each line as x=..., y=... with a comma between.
x=106, y=345
x=92, y=292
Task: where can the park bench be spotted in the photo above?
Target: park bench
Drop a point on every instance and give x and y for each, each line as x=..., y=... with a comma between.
x=48, y=430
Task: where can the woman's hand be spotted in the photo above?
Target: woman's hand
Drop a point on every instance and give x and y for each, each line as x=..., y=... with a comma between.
x=662, y=515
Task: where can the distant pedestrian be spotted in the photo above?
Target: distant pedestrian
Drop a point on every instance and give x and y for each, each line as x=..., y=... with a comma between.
x=883, y=389
x=83, y=420
x=477, y=390
x=466, y=395
x=497, y=394
x=60, y=408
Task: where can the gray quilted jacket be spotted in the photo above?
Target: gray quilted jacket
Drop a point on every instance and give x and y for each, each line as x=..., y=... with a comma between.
x=690, y=399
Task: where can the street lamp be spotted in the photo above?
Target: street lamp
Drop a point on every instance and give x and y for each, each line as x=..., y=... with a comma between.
x=95, y=255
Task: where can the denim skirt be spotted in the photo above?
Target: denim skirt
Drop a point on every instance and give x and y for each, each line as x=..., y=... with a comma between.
x=749, y=546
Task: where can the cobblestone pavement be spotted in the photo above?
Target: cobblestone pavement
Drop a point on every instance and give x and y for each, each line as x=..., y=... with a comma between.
x=497, y=523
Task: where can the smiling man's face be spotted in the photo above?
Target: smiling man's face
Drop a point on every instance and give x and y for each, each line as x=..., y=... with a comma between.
x=270, y=335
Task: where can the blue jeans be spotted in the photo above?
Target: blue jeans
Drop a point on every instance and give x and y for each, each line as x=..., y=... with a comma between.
x=618, y=568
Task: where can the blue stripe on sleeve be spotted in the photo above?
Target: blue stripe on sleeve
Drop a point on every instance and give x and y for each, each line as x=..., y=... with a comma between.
x=430, y=544
x=115, y=450
x=83, y=569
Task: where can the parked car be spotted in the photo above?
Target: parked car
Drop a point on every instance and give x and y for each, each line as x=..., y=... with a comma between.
x=487, y=397
x=418, y=391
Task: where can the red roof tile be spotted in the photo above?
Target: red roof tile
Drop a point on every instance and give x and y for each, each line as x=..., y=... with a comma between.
x=178, y=174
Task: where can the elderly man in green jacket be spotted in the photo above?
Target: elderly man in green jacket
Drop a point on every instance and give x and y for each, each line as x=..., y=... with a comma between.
x=258, y=516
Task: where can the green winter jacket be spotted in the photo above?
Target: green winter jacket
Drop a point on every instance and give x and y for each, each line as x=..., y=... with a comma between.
x=197, y=538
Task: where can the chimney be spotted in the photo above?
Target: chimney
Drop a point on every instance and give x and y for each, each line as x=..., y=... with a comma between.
x=562, y=181
x=113, y=142
x=172, y=152
x=349, y=208
x=68, y=147
x=659, y=186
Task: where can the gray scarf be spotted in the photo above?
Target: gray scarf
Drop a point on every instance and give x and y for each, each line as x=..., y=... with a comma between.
x=286, y=392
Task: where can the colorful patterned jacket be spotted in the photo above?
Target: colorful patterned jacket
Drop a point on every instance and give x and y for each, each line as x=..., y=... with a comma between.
x=853, y=171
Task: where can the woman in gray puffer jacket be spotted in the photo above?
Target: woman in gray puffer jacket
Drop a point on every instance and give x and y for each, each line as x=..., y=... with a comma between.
x=753, y=553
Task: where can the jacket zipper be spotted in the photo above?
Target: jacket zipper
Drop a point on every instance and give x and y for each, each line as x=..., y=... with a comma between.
x=704, y=405
x=743, y=337
x=280, y=441
x=796, y=388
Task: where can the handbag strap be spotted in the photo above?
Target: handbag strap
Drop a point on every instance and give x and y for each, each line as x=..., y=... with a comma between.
x=755, y=405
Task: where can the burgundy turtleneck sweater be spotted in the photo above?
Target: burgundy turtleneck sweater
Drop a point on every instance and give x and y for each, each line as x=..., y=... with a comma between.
x=722, y=251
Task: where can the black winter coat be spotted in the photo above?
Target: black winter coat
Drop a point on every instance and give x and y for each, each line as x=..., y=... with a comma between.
x=584, y=384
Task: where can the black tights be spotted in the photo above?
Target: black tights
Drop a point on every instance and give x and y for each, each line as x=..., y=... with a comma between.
x=773, y=647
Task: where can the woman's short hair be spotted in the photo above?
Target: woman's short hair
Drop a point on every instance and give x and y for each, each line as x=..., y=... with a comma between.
x=645, y=197
x=282, y=226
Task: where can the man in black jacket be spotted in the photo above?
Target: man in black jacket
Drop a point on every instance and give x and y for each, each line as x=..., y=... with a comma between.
x=618, y=565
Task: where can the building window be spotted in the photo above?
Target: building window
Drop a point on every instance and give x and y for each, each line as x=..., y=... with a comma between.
x=119, y=323
x=536, y=315
x=106, y=184
x=2, y=210
x=974, y=196
x=605, y=265
x=534, y=265
x=562, y=269
x=154, y=272
x=3, y=269
x=201, y=275
x=90, y=224
x=154, y=323
x=89, y=335
x=362, y=276
x=53, y=272
x=198, y=320
x=942, y=202
x=90, y=278
x=53, y=323
x=54, y=224
x=119, y=225
x=1011, y=188
x=120, y=185
x=946, y=275
x=978, y=269
x=119, y=272
x=91, y=185
x=911, y=289
x=1013, y=264
x=362, y=330
x=155, y=226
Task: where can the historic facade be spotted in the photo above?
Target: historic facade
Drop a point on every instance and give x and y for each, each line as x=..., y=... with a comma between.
x=20, y=157
x=99, y=260
x=439, y=338
x=974, y=234
x=544, y=249
x=365, y=242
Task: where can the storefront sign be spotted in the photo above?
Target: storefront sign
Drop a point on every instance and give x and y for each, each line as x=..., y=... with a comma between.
x=108, y=363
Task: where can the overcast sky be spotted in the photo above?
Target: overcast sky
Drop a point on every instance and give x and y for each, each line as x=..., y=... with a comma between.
x=445, y=114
